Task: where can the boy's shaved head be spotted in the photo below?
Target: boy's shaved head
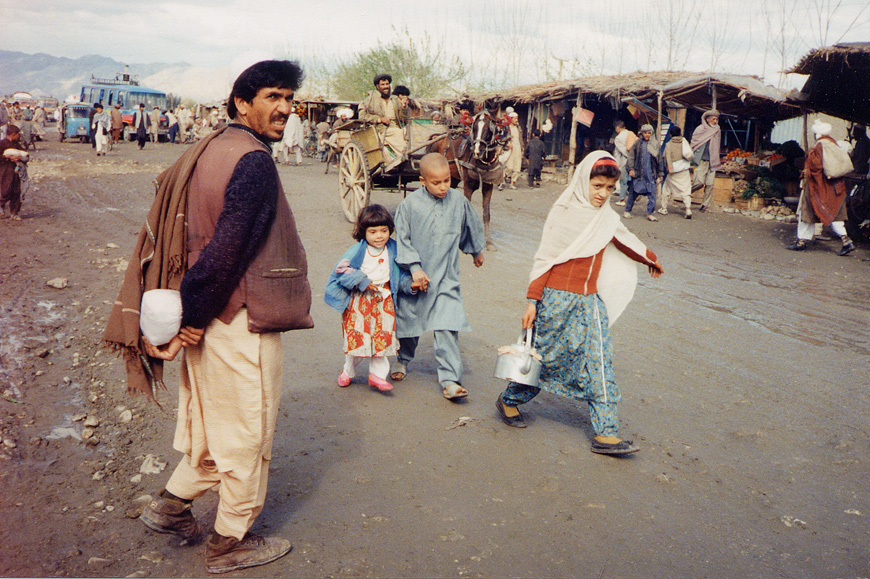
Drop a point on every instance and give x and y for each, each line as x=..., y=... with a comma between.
x=433, y=162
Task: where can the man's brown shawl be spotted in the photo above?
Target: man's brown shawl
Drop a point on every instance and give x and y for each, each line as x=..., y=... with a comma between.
x=159, y=262
x=823, y=199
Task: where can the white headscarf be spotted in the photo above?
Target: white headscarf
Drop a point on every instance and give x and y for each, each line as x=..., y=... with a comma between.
x=575, y=228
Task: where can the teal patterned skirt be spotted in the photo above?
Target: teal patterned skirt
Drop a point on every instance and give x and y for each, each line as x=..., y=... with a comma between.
x=572, y=336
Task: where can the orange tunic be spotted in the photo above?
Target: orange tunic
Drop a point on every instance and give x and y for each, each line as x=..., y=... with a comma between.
x=580, y=276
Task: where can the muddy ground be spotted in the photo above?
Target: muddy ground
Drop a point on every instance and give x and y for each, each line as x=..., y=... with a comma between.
x=744, y=375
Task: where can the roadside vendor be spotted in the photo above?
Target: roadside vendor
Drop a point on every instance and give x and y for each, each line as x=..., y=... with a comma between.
x=389, y=112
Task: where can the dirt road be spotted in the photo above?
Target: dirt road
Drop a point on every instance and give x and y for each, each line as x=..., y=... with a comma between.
x=744, y=375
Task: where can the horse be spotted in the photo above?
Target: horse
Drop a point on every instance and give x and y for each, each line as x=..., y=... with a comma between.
x=474, y=161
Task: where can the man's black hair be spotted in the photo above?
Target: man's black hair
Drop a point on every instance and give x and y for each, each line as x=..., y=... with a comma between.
x=383, y=76
x=402, y=90
x=98, y=105
x=536, y=134
x=268, y=73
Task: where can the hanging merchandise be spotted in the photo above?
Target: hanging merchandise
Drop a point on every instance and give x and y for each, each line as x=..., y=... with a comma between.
x=583, y=116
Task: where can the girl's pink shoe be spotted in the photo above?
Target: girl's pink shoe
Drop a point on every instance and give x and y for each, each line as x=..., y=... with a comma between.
x=379, y=383
x=343, y=379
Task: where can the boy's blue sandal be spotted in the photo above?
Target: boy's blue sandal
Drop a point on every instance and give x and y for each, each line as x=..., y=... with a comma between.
x=621, y=447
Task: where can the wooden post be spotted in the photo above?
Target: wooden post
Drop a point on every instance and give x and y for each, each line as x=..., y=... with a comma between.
x=660, y=136
x=713, y=105
x=804, y=139
x=659, y=116
x=572, y=146
x=757, y=136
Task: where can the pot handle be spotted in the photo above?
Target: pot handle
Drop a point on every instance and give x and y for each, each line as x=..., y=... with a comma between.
x=527, y=347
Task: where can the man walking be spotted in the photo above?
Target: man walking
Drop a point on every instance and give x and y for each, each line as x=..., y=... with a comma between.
x=246, y=282
x=823, y=197
x=141, y=122
x=154, y=129
x=621, y=144
x=514, y=164
x=117, y=123
x=643, y=168
x=706, y=142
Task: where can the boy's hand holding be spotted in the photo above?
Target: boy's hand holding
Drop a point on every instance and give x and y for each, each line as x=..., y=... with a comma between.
x=478, y=260
x=420, y=280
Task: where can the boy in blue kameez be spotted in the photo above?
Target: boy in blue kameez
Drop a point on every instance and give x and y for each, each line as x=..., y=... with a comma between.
x=432, y=223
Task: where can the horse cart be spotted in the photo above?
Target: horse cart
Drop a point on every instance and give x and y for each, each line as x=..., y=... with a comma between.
x=368, y=162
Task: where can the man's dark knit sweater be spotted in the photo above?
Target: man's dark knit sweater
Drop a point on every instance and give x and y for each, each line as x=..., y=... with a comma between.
x=249, y=208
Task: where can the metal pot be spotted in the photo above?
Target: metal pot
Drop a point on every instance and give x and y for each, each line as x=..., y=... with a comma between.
x=522, y=367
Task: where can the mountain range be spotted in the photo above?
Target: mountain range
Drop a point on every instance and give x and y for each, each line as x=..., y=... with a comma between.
x=60, y=77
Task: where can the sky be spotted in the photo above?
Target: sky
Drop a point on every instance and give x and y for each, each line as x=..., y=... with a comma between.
x=503, y=42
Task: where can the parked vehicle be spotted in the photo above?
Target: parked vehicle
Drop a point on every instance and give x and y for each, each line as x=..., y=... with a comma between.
x=74, y=121
x=124, y=89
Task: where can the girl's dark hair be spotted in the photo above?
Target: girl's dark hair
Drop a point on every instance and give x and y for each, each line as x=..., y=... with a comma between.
x=265, y=74
x=372, y=216
x=605, y=171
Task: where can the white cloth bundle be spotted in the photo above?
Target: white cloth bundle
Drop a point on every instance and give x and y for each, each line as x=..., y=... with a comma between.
x=835, y=161
x=160, y=315
x=22, y=155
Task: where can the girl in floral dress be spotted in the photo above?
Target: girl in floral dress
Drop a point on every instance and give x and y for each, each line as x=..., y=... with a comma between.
x=363, y=286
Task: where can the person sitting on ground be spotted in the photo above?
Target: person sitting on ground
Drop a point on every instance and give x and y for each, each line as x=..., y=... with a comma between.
x=582, y=278
x=433, y=224
x=643, y=168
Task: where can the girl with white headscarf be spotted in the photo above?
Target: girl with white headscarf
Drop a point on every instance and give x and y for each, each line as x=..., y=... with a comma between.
x=583, y=276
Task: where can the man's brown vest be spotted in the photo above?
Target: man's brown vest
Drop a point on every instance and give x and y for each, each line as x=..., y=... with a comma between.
x=274, y=288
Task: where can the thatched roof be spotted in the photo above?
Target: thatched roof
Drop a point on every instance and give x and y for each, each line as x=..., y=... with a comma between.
x=846, y=55
x=737, y=95
x=838, y=83
x=617, y=85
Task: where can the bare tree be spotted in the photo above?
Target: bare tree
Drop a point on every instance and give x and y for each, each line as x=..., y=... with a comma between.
x=678, y=22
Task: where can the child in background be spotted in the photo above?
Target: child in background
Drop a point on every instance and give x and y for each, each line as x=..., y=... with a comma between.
x=363, y=286
x=433, y=224
x=535, y=152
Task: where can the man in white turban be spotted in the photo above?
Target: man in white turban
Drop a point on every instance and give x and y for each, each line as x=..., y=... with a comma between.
x=824, y=193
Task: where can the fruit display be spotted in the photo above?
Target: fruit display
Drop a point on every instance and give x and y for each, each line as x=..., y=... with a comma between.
x=737, y=154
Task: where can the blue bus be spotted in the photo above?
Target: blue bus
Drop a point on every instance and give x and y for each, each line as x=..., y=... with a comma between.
x=125, y=90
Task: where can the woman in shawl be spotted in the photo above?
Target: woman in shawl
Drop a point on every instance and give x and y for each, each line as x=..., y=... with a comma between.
x=706, y=142
x=582, y=278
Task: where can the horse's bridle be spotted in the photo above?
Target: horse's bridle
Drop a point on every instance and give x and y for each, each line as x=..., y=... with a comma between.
x=489, y=147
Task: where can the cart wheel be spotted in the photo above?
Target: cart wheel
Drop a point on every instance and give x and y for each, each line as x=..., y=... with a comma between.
x=354, y=180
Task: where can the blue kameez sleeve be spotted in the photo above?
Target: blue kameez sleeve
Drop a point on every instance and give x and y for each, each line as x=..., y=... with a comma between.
x=472, y=240
x=406, y=256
